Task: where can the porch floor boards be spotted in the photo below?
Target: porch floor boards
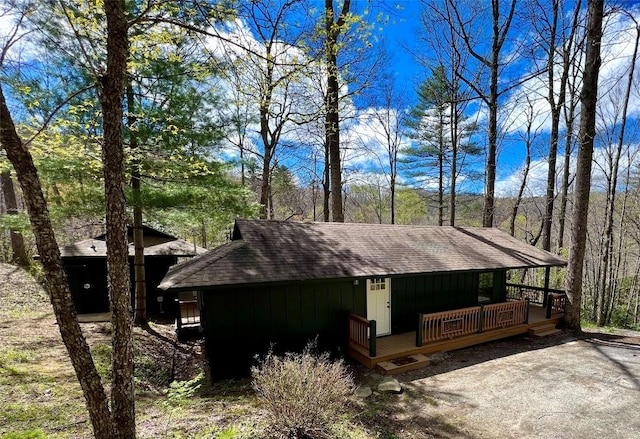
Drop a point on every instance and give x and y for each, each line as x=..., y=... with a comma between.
x=395, y=346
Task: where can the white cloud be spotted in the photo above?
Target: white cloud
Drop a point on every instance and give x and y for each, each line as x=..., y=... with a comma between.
x=537, y=176
x=530, y=100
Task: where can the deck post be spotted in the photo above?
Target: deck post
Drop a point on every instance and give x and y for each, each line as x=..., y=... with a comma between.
x=372, y=338
x=419, y=330
x=481, y=319
x=545, y=297
x=549, y=306
x=526, y=313
x=179, y=318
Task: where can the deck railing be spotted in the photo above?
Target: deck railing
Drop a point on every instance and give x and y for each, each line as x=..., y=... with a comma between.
x=448, y=324
x=555, y=301
x=362, y=332
x=556, y=304
x=534, y=294
x=501, y=315
x=189, y=313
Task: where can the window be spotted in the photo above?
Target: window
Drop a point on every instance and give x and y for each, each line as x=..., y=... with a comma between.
x=485, y=287
x=377, y=284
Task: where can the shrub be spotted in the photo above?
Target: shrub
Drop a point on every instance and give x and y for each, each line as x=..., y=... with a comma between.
x=303, y=393
x=180, y=393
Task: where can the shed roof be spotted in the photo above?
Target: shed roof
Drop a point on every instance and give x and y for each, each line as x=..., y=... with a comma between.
x=279, y=251
x=95, y=248
x=156, y=243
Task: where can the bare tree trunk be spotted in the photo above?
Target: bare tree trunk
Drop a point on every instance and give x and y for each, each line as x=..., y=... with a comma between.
x=111, y=97
x=332, y=123
x=568, y=62
x=555, y=126
x=140, y=314
x=556, y=108
x=492, y=62
x=441, y=185
x=525, y=172
x=588, y=100
x=19, y=251
x=55, y=278
x=326, y=187
x=453, y=120
x=266, y=163
x=497, y=41
x=566, y=174
x=607, y=247
x=393, y=198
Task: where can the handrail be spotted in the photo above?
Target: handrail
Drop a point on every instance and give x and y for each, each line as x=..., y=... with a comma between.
x=362, y=332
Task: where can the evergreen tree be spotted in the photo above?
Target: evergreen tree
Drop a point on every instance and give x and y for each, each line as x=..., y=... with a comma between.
x=442, y=138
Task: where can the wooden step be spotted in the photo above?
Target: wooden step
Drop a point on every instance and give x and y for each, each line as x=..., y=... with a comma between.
x=547, y=333
x=544, y=330
x=403, y=364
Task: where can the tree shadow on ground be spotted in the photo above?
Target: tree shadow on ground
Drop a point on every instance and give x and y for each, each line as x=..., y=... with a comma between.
x=426, y=413
x=630, y=346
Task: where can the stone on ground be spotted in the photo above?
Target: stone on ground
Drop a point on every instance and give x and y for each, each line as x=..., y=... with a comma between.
x=390, y=385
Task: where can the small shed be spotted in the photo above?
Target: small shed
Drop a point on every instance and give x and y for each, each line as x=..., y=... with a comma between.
x=85, y=264
x=288, y=282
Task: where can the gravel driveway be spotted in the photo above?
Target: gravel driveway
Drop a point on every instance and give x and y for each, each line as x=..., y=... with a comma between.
x=587, y=387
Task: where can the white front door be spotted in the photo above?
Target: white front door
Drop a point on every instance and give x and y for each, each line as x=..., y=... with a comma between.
x=379, y=304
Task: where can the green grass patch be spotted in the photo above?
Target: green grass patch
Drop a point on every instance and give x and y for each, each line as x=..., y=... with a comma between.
x=12, y=361
x=31, y=417
x=102, y=354
x=29, y=434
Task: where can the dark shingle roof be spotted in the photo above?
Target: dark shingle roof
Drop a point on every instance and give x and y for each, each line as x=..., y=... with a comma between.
x=95, y=248
x=276, y=251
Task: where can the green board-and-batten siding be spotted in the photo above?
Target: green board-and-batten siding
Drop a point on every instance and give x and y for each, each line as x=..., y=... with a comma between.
x=243, y=321
x=434, y=293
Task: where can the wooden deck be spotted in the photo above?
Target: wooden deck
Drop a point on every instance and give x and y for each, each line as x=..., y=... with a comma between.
x=404, y=345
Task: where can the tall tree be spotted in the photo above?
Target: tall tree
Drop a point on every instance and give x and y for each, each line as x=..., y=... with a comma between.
x=18, y=248
x=334, y=26
x=501, y=20
x=445, y=47
x=429, y=127
x=111, y=93
x=56, y=282
x=559, y=41
x=528, y=139
x=271, y=69
x=443, y=138
x=55, y=278
x=605, y=287
x=588, y=102
x=386, y=121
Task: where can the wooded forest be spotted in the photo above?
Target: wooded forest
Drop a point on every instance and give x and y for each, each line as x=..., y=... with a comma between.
x=291, y=110
x=182, y=115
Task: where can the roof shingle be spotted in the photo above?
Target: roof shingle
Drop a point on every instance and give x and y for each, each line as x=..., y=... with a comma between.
x=278, y=251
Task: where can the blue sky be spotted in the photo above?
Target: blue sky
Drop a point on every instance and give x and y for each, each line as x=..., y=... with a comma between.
x=401, y=32
x=401, y=35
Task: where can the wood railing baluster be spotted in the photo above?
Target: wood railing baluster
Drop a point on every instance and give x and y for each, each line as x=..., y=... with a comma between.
x=362, y=332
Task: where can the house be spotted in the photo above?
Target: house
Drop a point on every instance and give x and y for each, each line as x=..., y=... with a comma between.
x=85, y=263
x=288, y=282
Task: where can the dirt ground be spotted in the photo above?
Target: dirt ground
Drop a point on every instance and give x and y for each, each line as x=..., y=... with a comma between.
x=559, y=387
